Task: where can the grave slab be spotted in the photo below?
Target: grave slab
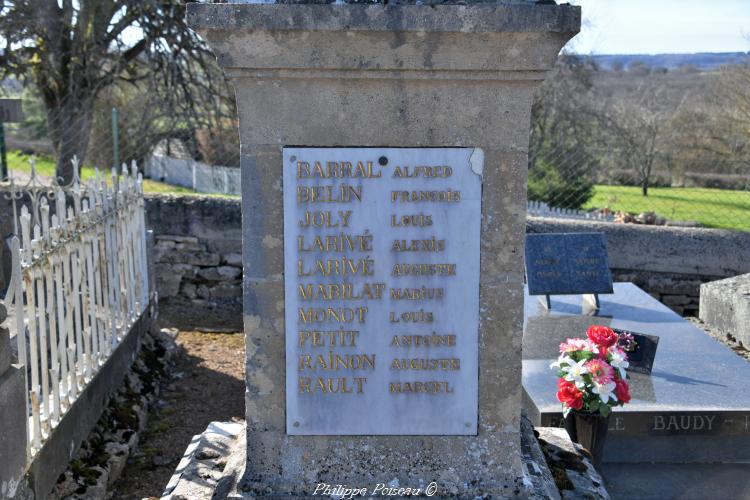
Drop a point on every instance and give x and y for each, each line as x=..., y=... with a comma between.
x=677, y=481
x=690, y=409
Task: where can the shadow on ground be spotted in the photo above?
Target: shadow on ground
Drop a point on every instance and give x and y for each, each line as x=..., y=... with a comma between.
x=208, y=386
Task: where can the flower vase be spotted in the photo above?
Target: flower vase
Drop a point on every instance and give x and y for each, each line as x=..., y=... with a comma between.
x=590, y=431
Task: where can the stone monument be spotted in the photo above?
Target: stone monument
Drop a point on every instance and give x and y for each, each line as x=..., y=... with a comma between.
x=384, y=159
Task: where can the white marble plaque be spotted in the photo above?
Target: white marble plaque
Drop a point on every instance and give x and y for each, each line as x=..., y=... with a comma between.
x=381, y=263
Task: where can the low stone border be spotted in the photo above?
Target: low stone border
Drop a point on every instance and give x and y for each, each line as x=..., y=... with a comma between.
x=571, y=466
x=103, y=456
x=201, y=472
x=725, y=305
x=726, y=338
x=214, y=461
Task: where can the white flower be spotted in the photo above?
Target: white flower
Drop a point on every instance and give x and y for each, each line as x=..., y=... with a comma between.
x=619, y=361
x=590, y=346
x=574, y=372
x=605, y=391
x=560, y=360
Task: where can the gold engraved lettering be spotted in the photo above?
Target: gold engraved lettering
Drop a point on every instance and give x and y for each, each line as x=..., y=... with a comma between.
x=339, y=243
x=340, y=291
x=423, y=171
x=324, y=385
x=426, y=364
x=334, y=314
x=424, y=270
x=328, y=338
x=343, y=193
x=423, y=293
x=420, y=316
x=336, y=170
x=447, y=196
x=420, y=220
x=335, y=361
x=430, y=387
x=343, y=266
x=433, y=340
x=325, y=218
x=430, y=245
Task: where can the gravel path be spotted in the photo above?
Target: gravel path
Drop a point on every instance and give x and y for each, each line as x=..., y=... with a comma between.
x=208, y=385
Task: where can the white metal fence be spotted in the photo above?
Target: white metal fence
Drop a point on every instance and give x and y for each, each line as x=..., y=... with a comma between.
x=541, y=209
x=79, y=282
x=194, y=175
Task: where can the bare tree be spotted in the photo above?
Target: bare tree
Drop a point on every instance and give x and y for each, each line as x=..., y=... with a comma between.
x=638, y=132
x=72, y=50
x=734, y=114
x=561, y=159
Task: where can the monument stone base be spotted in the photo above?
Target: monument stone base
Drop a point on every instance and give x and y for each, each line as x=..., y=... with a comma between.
x=384, y=76
x=213, y=466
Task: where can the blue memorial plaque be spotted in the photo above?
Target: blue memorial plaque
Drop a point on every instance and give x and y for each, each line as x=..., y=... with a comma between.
x=567, y=264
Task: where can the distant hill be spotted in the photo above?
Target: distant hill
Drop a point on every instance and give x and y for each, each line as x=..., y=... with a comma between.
x=703, y=61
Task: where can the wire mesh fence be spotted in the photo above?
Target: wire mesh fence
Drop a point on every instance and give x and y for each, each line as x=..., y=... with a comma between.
x=604, y=145
x=570, y=183
x=183, y=159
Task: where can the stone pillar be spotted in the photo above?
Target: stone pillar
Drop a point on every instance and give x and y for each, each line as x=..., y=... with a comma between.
x=12, y=419
x=385, y=76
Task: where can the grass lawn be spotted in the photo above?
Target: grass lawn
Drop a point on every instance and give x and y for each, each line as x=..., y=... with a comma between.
x=718, y=208
x=45, y=166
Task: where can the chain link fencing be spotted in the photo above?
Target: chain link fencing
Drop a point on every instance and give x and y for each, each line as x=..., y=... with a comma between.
x=589, y=184
x=174, y=156
x=564, y=181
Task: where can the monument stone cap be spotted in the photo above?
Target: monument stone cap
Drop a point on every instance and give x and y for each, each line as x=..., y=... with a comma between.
x=386, y=37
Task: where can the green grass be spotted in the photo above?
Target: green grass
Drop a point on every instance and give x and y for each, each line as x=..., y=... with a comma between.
x=45, y=166
x=718, y=208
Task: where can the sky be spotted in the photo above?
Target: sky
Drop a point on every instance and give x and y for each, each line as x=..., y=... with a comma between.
x=662, y=26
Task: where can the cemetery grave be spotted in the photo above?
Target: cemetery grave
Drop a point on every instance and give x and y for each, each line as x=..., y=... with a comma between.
x=399, y=323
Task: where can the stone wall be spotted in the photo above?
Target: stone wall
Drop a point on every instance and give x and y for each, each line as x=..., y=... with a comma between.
x=670, y=263
x=198, y=258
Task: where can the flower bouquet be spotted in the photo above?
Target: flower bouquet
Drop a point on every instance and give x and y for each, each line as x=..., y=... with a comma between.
x=592, y=381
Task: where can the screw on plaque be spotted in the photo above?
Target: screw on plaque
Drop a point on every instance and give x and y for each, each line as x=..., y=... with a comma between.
x=293, y=159
x=383, y=161
x=296, y=424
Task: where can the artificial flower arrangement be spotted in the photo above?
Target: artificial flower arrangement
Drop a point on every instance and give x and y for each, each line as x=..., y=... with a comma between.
x=592, y=372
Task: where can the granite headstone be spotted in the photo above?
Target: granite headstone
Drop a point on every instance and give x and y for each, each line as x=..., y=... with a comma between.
x=567, y=264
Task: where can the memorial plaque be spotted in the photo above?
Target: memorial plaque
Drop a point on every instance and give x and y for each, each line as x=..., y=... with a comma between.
x=641, y=352
x=567, y=264
x=381, y=262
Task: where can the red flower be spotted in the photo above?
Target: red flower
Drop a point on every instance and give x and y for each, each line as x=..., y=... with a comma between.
x=602, y=336
x=569, y=395
x=622, y=391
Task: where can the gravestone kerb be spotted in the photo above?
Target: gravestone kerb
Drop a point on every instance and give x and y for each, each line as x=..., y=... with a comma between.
x=396, y=76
